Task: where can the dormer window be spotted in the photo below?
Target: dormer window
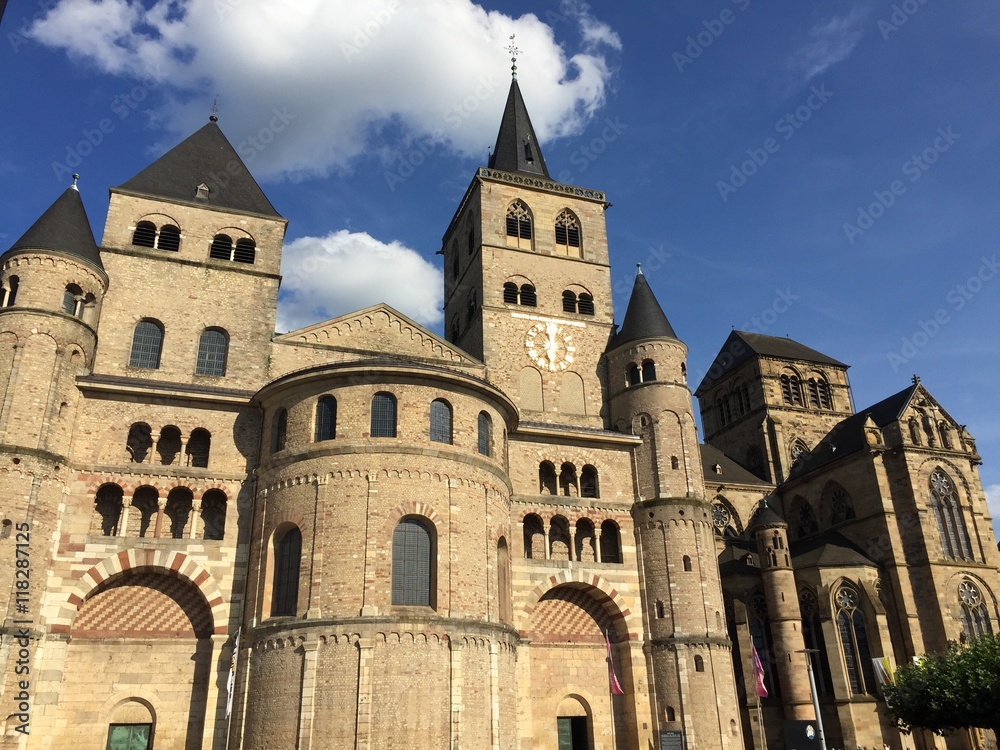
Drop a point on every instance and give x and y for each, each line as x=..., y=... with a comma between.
x=202, y=192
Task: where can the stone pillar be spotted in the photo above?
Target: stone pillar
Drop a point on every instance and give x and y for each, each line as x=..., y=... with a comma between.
x=154, y=438
x=597, y=543
x=195, y=512
x=161, y=504
x=123, y=522
x=572, y=544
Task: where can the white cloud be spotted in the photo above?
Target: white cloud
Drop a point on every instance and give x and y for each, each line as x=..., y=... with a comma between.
x=345, y=70
x=827, y=43
x=324, y=277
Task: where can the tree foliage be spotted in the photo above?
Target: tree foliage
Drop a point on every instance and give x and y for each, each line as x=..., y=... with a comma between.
x=954, y=690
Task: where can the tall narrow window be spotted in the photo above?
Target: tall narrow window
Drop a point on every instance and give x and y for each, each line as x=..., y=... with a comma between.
x=567, y=481
x=519, y=226
x=588, y=482
x=144, y=234
x=287, y=561
x=648, y=371
x=534, y=537
x=73, y=300
x=812, y=636
x=412, y=564
x=440, y=422
x=213, y=351
x=546, y=478
x=279, y=432
x=791, y=390
x=213, y=515
x=108, y=505
x=147, y=344
x=854, y=641
x=567, y=234
x=611, y=543
x=975, y=616
x=198, y=448
x=632, y=374
x=326, y=419
x=139, y=442
x=9, y=292
x=760, y=636
x=484, y=436
x=383, y=415
x=950, y=519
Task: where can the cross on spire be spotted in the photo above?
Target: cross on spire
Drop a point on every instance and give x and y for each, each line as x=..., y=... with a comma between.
x=514, y=52
x=214, y=117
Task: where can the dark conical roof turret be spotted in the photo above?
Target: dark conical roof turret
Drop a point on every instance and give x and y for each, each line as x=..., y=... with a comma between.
x=204, y=158
x=64, y=229
x=644, y=318
x=517, y=148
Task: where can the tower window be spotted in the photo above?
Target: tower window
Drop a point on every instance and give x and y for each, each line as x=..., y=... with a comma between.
x=383, y=415
x=199, y=447
x=326, y=419
x=9, y=292
x=791, y=389
x=528, y=298
x=454, y=267
x=819, y=393
x=412, y=564
x=518, y=224
x=222, y=247
x=648, y=371
x=567, y=234
x=632, y=374
x=169, y=238
x=472, y=240
x=246, y=251
x=147, y=344
x=287, y=561
x=213, y=350
x=510, y=293
x=585, y=304
x=569, y=301
x=279, y=433
x=484, y=427
x=144, y=234
x=73, y=300
x=440, y=423
x=472, y=306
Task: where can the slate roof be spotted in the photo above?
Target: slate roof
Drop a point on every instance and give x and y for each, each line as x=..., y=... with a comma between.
x=206, y=157
x=847, y=436
x=517, y=149
x=63, y=228
x=766, y=515
x=829, y=549
x=644, y=318
x=743, y=345
x=732, y=472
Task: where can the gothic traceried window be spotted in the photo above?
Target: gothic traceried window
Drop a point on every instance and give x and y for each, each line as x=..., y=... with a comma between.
x=721, y=518
x=519, y=232
x=950, y=519
x=760, y=635
x=798, y=451
x=975, y=616
x=812, y=636
x=854, y=642
x=840, y=503
x=568, y=234
x=802, y=518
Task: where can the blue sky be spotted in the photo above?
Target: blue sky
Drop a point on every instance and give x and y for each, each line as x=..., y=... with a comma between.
x=822, y=170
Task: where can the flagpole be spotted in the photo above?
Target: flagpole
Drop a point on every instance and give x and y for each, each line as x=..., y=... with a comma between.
x=760, y=722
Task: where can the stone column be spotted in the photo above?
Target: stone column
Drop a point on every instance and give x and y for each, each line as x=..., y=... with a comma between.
x=195, y=512
x=161, y=504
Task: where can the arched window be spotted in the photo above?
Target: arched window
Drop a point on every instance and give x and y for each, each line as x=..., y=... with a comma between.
x=484, y=434
x=222, y=247
x=9, y=292
x=246, y=250
x=510, y=293
x=567, y=234
x=279, y=431
x=455, y=266
x=213, y=515
x=559, y=541
x=287, y=562
x=755, y=461
x=534, y=537
x=854, y=642
x=455, y=329
x=519, y=226
x=528, y=296
x=589, y=486
x=687, y=564
x=326, y=419
x=169, y=445
x=108, y=505
x=144, y=234
x=675, y=463
x=648, y=371
x=569, y=301
x=178, y=511
x=568, y=486
x=72, y=303
x=791, y=389
x=671, y=714
x=839, y=503
x=471, y=240
x=6, y=528
x=139, y=442
x=585, y=540
x=760, y=636
x=798, y=451
x=213, y=350
x=198, y=447
x=146, y=501
x=812, y=636
x=632, y=376
x=802, y=518
x=585, y=304
x=819, y=392
x=169, y=238
x=950, y=519
x=383, y=415
x=147, y=344
x=546, y=478
x=699, y=664
x=611, y=543
x=412, y=564
x=660, y=610
x=975, y=616
x=440, y=421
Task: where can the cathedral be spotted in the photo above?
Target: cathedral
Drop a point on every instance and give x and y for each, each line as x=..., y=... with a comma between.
x=361, y=535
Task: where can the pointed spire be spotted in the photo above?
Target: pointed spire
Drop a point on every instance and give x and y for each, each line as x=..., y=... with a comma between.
x=644, y=318
x=63, y=229
x=204, y=158
x=517, y=148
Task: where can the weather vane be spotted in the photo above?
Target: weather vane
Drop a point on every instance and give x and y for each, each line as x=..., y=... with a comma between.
x=214, y=117
x=514, y=52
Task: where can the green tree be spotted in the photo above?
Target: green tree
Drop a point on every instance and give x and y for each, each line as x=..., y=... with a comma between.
x=954, y=690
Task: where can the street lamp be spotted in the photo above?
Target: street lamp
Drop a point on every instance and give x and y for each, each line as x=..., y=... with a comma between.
x=812, y=690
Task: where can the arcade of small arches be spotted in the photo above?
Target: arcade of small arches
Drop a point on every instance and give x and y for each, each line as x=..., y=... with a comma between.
x=179, y=515
x=585, y=540
x=168, y=446
x=567, y=483
x=813, y=391
x=732, y=404
x=167, y=237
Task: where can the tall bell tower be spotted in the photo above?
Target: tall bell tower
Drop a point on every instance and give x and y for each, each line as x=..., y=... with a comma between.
x=527, y=280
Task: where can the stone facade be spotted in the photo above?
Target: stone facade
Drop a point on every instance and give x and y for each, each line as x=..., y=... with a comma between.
x=439, y=542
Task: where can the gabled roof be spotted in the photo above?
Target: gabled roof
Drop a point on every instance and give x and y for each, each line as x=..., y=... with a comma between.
x=63, y=228
x=644, y=318
x=517, y=149
x=743, y=345
x=732, y=472
x=829, y=549
x=205, y=157
x=848, y=436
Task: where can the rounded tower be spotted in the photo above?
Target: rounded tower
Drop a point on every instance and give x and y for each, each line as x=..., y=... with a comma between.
x=687, y=646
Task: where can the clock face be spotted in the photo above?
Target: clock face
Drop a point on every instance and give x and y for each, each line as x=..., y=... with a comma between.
x=549, y=346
